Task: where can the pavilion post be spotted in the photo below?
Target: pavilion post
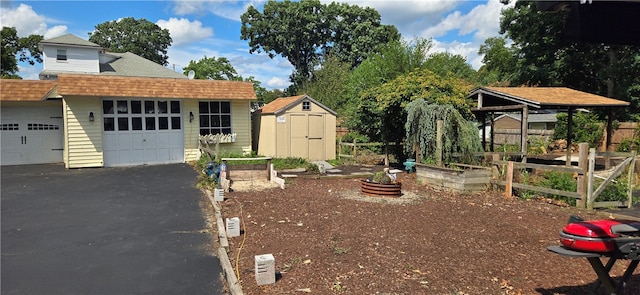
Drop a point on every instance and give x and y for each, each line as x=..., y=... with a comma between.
x=609, y=128
x=493, y=134
x=569, y=134
x=524, y=132
x=483, y=119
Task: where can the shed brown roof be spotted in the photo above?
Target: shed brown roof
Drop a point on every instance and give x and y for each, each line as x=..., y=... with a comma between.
x=25, y=90
x=118, y=86
x=556, y=96
x=280, y=103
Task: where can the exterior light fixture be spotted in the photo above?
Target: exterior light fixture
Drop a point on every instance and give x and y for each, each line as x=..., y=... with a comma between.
x=91, y=117
x=190, y=117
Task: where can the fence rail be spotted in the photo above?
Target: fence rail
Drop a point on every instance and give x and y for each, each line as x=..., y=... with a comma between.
x=584, y=173
x=353, y=146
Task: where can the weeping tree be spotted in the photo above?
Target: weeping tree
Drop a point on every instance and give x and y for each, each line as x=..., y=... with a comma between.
x=459, y=134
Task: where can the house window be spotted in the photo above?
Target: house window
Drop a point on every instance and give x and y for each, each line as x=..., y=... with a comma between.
x=215, y=117
x=306, y=105
x=61, y=55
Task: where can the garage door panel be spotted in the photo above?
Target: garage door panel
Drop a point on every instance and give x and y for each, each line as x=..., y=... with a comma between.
x=124, y=141
x=149, y=138
x=31, y=135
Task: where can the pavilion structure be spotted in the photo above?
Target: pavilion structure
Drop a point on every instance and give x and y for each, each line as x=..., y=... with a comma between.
x=491, y=100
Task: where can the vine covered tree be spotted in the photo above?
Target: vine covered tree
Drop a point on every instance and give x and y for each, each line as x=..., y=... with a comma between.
x=380, y=112
x=14, y=48
x=138, y=36
x=461, y=133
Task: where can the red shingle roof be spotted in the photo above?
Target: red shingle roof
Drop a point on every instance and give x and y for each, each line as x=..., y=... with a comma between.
x=118, y=86
x=25, y=90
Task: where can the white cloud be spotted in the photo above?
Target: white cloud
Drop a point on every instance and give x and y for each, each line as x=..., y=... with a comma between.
x=184, y=31
x=472, y=28
x=273, y=73
x=278, y=83
x=229, y=9
x=28, y=22
x=29, y=72
x=409, y=16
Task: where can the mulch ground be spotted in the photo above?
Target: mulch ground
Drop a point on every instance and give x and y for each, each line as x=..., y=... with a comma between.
x=327, y=238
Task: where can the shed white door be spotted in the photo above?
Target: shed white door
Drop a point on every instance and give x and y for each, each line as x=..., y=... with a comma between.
x=137, y=132
x=307, y=136
x=31, y=135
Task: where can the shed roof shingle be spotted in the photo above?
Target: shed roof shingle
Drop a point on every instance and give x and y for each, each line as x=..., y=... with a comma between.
x=25, y=90
x=117, y=86
x=557, y=96
x=280, y=103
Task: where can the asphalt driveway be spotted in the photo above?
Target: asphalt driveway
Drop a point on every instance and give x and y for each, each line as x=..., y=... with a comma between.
x=134, y=230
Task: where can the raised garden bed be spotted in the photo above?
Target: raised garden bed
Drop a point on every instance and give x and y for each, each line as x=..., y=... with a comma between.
x=241, y=172
x=459, y=178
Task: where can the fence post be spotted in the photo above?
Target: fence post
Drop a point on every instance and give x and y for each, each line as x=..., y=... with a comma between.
x=583, y=164
x=494, y=170
x=339, y=147
x=592, y=165
x=508, y=189
x=355, y=150
x=632, y=167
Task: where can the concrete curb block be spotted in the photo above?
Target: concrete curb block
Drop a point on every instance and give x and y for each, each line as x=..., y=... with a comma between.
x=230, y=275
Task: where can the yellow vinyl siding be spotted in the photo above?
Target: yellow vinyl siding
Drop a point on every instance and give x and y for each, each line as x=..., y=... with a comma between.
x=240, y=125
x=83, y=139
x=191, y=130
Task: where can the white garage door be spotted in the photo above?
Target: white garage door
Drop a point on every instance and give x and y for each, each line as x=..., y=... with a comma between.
x=137, y=132
x=31, y=135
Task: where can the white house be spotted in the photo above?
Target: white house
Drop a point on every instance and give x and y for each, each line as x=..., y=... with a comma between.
x=93, y=108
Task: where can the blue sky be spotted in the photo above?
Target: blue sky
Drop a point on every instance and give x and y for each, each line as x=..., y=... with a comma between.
x=212, y=27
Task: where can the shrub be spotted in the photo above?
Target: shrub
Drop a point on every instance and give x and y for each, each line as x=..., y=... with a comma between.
x=586, y=128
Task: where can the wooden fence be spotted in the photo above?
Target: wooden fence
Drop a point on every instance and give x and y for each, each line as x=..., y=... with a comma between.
x=585, y=175
x=355, y=146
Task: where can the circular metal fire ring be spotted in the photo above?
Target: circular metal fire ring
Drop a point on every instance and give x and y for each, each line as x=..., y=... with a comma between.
x=380, y=189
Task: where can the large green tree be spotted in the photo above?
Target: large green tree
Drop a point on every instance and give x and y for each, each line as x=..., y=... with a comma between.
x=499, y=61
x=380, y=112
x=545, y=57
x=138, y=36
x=304, y=31
x=212, y=68
x=328, y=84
x=448, y=64
x=14, y=48
x=393, y=59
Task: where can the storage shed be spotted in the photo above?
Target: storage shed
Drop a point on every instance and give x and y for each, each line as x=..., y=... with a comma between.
x=296, y=126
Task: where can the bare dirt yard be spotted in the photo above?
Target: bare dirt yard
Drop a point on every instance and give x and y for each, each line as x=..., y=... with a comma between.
x=327, y=238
